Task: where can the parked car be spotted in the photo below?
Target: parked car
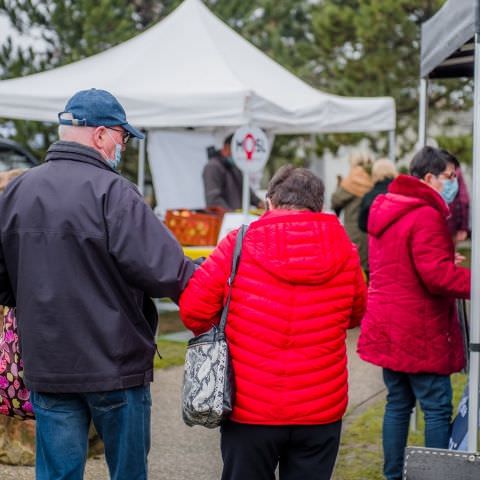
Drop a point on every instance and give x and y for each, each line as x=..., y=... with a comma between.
x=13, y=156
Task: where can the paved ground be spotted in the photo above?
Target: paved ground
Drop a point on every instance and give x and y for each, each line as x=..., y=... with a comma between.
x=182, y=453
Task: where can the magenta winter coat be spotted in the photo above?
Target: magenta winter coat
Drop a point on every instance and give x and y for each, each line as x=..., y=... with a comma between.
x=411, y=324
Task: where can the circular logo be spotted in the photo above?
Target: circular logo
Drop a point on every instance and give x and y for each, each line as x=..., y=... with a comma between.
x=250, y=149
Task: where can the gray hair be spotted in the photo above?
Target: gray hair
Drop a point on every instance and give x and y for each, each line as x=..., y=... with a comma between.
x=74, y=133
x=296, y=189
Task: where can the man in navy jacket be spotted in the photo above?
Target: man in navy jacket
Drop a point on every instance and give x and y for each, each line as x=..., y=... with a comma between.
x=81, y=256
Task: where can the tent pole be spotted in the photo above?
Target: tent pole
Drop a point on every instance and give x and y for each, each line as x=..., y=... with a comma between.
x=141, y=165
x=422, y=140
x=474, y=375
x=422, y=120
x=391, y=145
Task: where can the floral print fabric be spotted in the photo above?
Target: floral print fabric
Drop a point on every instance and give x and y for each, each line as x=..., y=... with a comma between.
x=14, y=396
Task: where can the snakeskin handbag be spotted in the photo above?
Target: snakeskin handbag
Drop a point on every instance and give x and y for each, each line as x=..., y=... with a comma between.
x=208, y=383
x=14, y=395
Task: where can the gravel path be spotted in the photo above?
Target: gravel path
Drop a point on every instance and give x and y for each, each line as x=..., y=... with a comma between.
x=182, y=453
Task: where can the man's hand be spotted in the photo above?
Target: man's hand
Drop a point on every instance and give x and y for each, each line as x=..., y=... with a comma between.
x=198, y=261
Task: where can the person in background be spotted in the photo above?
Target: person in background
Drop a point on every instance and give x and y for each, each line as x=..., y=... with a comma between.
x=411, y=328
x=81, y=254
x=7, y=176
x=383, y=172
x=299, y=286
x=459, y=220
x=223, y=181
x=348, y=197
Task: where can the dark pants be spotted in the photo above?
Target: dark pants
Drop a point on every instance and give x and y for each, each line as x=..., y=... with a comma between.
x=303, y=452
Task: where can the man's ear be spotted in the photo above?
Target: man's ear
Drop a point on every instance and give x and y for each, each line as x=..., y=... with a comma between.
x=98, y=137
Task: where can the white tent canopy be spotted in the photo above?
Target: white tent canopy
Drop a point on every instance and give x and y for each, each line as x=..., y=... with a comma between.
x=447, y=47
x=192, y=70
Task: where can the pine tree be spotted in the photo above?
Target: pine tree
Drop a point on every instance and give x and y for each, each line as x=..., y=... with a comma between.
x=69, y=31
x=372, y=47
x=346, y=47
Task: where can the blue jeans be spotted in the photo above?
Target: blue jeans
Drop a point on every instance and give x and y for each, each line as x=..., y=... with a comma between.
x=434, y=393
x=121, y=417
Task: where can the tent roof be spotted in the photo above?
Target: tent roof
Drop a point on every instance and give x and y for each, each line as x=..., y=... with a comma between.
x=447, y=48
x=192, y=70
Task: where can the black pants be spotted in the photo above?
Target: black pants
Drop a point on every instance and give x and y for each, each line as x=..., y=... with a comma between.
x=303, y=452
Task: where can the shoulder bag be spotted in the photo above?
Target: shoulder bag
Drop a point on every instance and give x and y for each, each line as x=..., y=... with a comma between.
x=14, y=395
x=208, y=383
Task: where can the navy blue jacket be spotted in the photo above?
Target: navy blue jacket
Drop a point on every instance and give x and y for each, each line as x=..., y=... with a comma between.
x=81, y=255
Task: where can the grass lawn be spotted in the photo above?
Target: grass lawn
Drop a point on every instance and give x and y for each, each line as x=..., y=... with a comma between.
x=361, y=455
x=467, y=252
x=173, y=353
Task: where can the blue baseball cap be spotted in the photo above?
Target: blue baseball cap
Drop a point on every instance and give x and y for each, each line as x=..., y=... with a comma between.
x=96, y=108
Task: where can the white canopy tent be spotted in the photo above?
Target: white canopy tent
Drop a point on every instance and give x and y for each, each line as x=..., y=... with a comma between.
x=192, y=70
x=451, y=48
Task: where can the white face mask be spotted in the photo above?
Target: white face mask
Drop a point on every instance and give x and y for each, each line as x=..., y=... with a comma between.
x=115, y=161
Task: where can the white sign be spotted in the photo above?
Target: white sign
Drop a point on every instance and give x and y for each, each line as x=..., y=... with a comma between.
x=231, y=221
x=250, y=149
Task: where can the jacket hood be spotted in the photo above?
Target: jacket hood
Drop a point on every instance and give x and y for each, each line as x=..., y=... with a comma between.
x=357, y=182
x=299, y=247
x=405, y=193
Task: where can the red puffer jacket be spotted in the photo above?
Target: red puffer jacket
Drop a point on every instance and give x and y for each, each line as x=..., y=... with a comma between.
x=298, y=288
x=411, y=323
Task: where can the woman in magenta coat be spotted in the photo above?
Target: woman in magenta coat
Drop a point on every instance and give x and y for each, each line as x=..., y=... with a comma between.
x=298, y=288
x=411, y=327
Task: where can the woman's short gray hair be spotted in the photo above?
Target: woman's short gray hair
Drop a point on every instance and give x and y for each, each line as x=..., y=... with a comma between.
x=296, y=189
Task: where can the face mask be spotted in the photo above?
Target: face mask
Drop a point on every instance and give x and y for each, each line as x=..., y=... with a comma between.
x=115, y=161
x=229, y=160
x=450, y=190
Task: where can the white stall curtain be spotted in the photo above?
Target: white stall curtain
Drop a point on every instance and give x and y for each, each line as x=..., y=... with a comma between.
x=177, y=159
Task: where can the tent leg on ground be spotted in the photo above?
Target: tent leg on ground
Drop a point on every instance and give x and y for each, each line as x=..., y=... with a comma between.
x=475, y=293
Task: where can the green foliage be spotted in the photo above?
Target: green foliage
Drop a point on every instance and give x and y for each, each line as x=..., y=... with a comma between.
x=461, y=146
x=173, y=354
x=371, y=48
x=72, y=30
x=69, y=31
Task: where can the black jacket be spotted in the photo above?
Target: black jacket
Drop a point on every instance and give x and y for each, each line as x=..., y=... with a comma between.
x=367, y=201
x=223, y=183
x=81, y=253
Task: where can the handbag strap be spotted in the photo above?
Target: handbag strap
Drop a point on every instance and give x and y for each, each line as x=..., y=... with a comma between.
x=235, y=261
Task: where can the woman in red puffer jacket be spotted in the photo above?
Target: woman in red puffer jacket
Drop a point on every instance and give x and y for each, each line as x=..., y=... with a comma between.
x=298, y=288
x=411, y=328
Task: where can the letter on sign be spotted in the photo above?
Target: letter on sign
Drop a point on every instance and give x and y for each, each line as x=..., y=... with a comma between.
x=250, y=149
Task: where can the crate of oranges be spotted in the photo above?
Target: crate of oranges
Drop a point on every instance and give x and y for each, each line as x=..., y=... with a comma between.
x=195, y=227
